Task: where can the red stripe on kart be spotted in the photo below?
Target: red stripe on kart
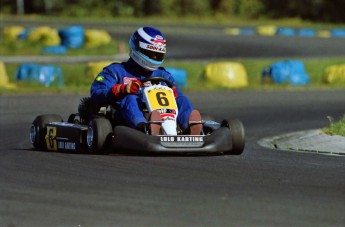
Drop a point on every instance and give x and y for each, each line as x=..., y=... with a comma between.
x=167, y=115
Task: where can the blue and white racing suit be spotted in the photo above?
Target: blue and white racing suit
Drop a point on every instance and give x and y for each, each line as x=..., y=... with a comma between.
x=129, y=108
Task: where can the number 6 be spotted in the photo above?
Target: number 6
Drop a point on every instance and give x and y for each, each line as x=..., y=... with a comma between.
x=163, y=101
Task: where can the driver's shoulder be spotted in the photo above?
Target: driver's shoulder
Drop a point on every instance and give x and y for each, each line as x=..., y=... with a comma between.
x=115, y=66
x=162, y=68
x=162, y=72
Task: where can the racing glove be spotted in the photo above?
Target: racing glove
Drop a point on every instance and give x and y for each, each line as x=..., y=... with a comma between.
x=120, y=90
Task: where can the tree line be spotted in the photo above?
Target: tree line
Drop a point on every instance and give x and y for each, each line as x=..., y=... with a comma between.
x=312, y=10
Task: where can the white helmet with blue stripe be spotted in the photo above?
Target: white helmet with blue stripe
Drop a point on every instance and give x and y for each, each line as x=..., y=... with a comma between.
x=147, y=47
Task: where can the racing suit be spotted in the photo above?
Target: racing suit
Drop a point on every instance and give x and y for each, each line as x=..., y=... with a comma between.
x=129, y=108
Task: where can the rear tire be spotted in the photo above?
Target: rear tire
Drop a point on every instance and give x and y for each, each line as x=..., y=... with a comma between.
x=99, y=135
x=38, y=129
x=237, y=136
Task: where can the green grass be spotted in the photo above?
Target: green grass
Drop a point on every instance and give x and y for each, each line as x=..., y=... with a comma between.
x=335, y=127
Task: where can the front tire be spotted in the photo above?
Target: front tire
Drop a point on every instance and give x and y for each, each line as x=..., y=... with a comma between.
x=99, y=135
x=38, y=129
x=237, y=136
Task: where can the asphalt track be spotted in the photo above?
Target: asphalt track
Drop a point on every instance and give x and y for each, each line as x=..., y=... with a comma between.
x=262, y=187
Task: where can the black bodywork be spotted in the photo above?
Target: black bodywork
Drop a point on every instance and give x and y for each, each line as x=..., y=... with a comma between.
x=70, y=137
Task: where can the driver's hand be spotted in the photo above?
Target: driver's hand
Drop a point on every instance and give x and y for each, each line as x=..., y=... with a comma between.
x=121, y=90
x=133, y=87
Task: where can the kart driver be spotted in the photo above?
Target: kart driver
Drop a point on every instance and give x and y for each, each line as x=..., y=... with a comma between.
x=118, y=83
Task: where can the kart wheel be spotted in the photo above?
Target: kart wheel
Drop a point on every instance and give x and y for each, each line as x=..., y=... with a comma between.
x=237, y=136
x=38, y=129
x=99, y=135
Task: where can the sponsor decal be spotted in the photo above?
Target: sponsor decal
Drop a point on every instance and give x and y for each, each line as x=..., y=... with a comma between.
x=99, y=78
x=167, y=111
x=126, y=80
x=66, y=145
x=182, y=139
x=155, y=48
x=51, y=138
x=159, y=39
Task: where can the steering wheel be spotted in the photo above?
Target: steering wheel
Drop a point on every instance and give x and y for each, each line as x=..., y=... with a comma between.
x=157, y=79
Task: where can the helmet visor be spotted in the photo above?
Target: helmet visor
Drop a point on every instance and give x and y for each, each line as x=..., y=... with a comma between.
x=157, y=56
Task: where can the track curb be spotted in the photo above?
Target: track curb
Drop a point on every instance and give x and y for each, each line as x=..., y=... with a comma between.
x=314, y=141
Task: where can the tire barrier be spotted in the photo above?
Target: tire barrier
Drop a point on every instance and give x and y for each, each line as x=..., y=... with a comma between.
x=240, y=31
x=48, y=75
x=226, y=74
x=58, y=41
x=340, y=33
x=306, y=32
x=179, y=75
x=4, y=79
x=272, y=30
x=72, y=37
x=95, y=38
x=266, y=30
x=94, y=68
x=45, y=35
x=286, y=32
x=323, y=33
x=286, y=72
x=12, y=33
x=334, y=74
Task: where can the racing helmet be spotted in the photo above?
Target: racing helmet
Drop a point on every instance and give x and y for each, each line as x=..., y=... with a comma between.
x=147, y=47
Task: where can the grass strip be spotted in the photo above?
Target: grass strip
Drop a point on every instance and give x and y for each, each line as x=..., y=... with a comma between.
x=335, y=127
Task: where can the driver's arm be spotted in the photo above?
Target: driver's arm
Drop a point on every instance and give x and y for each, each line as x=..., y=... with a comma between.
x=120, y=90
x=101, y=88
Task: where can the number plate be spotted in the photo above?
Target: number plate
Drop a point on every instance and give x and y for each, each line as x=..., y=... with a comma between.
x=51, y=138
x=161, y=99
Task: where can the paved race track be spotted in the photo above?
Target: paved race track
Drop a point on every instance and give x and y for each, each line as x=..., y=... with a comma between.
x=262, y=187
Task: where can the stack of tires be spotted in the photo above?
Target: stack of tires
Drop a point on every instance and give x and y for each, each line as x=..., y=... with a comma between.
x=48, y=75
x=72, y=37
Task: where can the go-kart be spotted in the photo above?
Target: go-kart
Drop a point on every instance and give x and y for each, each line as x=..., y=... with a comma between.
x=99, y=132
